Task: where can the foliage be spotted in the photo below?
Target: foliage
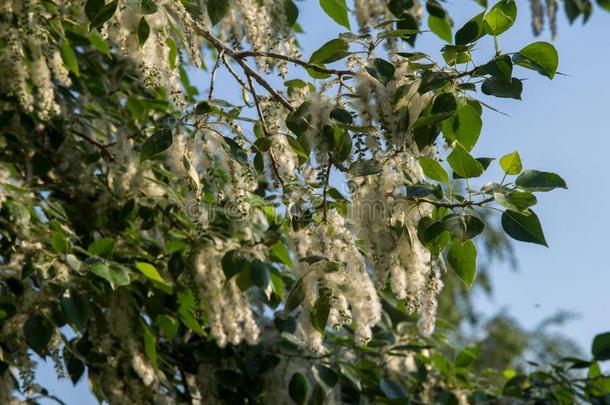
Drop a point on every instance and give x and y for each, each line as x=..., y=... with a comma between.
x=183, y=248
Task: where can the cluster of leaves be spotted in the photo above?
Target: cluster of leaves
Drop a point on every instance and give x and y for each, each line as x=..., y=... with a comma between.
x=111, y=252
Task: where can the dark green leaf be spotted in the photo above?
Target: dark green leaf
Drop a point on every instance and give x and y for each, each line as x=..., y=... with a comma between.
x=381, y=70
x=292, y=12
x=74, y=365
x=534, y=180
x=75, y=308
x=471, y=31
x=156, y=144
x=143, y=31
x=523, y=227
x=103, y=14
x=38, y=331
x=502, y=88
x=342, y=116
x=297, y=388
x=217, y=10
x=462, y=257
x=601, y=347
x=233, y=263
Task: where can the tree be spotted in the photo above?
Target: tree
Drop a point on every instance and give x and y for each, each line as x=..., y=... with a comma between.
x=182, y=248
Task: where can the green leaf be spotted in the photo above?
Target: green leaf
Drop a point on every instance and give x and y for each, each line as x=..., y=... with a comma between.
x=516, y=200
x=463, y=226
x=233, y=263
x=167, y=325
x=280, y=253
x=341, y=115
x=534, y=180
x=433, y=169
x=501, y=17
x=524, y=227
x=433, y=80
x=467, y=357
x=148, y=7
x=297, y=388
x=471, y=31
x=295, y=297
x=143, y=31
x=38, y=331
x=463, y=164
x=7, y=311
x=292, y=12
x=99, y=43
x=74, y=365
x=601, y=347
x=114, y=274
x=337, y=10
x=69, y=57
x=152, y=274
x=331, y=51
x=217, y=10
x=259, y=272
x=150, y=345
x=465, y=127
x=156, y=144
x=103, y=14
x=511, y=163
x=539, y=56
x=605, y=4
x=75, y=308
x=500, y=67
x=502, y=88
x=101, y=247
x=319, y=314
x=365, y=168
x=441, y=27
x=393, y=391
x=381, y=70
x=462, y=257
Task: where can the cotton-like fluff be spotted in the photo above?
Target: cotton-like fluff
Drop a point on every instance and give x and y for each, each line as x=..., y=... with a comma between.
x=264, y=26
x=230, y=316
x=339, y=277
x=387, y=223
x=394, y=107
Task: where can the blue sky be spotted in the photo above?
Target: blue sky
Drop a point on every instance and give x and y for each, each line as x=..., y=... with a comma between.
x=559, y=126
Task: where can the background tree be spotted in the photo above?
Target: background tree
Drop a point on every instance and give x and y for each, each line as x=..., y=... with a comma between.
x=183, y=248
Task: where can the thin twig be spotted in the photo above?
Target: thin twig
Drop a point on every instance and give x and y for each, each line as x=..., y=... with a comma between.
x=462, y=204
x=213, y=77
